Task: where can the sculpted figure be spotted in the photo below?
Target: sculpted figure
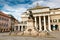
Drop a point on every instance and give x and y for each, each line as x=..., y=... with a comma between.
x=30, y=15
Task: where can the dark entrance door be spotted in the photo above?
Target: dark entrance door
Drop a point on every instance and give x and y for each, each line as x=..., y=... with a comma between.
x=42, y=27
x=20, y=28
x=23, y=28
x=54, y=27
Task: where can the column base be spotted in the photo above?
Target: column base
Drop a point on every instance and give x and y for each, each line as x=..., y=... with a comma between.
x=40, y=30
x=50, y=30
x=45, y=30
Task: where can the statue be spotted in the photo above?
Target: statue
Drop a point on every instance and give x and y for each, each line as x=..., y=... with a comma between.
x=31, y=15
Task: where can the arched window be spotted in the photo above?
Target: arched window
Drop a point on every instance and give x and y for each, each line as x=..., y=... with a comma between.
x=55, y=20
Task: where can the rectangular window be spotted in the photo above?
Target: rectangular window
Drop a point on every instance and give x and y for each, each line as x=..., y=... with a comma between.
x=51, y=21
x=0, y=18
x=25, y=22
x=6, y=25
x=59, y=20
x=55, y=20
x=22, y=22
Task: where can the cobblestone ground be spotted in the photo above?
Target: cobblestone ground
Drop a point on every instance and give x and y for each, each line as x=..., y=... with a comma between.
x=4, y=37
x=24, y=38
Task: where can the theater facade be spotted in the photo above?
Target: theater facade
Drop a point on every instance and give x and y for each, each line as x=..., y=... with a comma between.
x=45, y=19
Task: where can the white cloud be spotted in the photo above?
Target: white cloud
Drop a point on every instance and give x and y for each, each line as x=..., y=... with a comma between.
x=18, y=9
x=50, y=3
x=16, y=12
x=54, y=4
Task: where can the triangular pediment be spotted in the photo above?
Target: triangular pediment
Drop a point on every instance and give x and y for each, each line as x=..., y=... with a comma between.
x=37, y=7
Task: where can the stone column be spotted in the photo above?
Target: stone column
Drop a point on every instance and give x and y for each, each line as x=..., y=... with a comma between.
x=49, y=27
x=40, y=26
x=45, y=24
x=21, y=28
x=18, y=27
x=15, y=28
x=35, y=23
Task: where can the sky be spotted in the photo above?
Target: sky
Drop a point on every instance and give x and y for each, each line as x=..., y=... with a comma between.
x=17, y=7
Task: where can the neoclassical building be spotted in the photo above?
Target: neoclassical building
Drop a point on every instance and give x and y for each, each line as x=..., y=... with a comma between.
x=45, y=19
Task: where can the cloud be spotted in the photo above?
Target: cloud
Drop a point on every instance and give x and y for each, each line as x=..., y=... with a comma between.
x=17, y=7
x=16, y=12
x=48, y=3
x=54, y=4
x=15, y=2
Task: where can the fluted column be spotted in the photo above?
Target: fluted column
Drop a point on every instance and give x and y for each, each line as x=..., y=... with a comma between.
x=49, y=27
x=40, y=26
x=45, y=24
x=35, y=23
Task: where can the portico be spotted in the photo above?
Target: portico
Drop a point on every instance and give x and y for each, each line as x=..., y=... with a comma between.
x=44, y=19
x=42, y=23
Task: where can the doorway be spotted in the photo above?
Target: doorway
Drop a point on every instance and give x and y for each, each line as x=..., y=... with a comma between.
x=42, y=27
x=54, y=27
x=20, y=28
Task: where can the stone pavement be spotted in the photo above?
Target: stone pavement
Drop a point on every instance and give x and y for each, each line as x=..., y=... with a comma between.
x=4, y=36
x=24, y=38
